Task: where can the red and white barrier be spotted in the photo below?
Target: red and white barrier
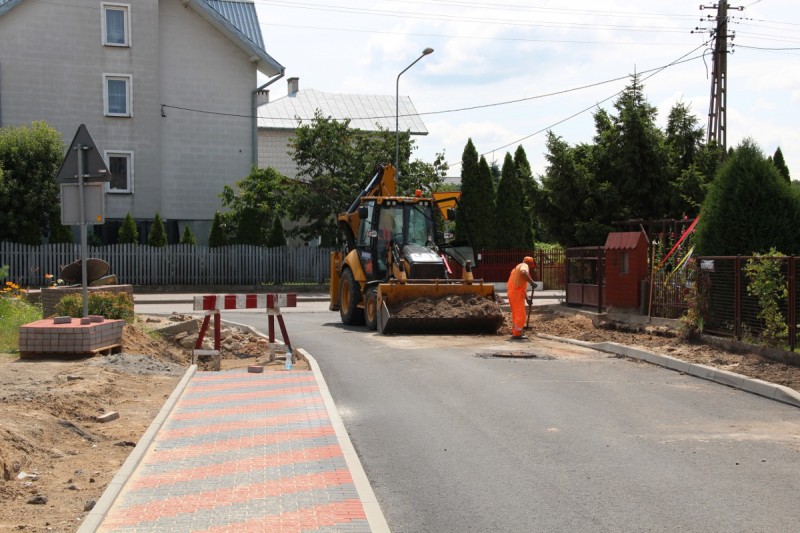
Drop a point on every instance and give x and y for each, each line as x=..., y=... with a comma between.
x=212, y=304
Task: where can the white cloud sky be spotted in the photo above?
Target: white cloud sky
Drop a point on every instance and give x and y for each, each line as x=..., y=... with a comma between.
x=490, y=52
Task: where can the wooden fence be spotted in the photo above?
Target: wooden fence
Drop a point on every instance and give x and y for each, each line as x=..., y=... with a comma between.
x=178, y=264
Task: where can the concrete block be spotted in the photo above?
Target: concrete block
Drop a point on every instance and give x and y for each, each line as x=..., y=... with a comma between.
x=729, y=378
x=107, y=417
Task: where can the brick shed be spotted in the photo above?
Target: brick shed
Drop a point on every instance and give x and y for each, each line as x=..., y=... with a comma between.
x=626, y=267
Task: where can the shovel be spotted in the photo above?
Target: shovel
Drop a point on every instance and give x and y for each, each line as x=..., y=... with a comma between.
x=530, y=304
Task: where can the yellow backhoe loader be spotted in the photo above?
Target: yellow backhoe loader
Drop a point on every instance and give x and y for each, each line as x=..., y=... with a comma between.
x=397, y=268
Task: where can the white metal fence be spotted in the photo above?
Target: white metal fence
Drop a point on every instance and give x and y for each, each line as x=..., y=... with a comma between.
x=178, y=264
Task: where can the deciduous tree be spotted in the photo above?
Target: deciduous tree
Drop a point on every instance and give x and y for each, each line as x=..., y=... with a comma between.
x=29, y=196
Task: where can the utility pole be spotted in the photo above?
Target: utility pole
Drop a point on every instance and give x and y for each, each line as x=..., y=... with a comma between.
x=717, y=109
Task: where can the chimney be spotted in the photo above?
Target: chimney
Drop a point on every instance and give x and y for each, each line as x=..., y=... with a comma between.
x=294, y=86
x=262, y=97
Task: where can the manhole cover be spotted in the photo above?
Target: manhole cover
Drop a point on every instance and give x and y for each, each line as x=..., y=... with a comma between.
x=517, y=354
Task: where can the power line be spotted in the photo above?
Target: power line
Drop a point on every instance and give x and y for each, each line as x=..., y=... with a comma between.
x=460, y=109
x=467, y=37
x=460, y=18
x=653, y=72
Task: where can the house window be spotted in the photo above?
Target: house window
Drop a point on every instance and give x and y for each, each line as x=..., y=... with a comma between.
x=120, y=166
x=117, y=95
x=116, y=27
x=623, y=263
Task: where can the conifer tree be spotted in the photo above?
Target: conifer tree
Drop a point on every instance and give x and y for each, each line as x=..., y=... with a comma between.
x=218, y=235
x=780, y=164
x=530, y=189
x=128, y=232
x=511, y=222
x=476, y=205
x=749, y=208
x=188, y=236
x=277, y=237
x=157, y=236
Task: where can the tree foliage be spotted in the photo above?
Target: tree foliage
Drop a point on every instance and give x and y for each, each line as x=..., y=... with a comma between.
x=335, y=163
x=427, y=177
x=277, y=237
x=749, y=208
x=29, y=195
x=188, y=237
x=530, y=191
x=511, y=222
x=254, y=204
x=218, y=236
x=632, y=170
x=128, y=232
x=780, y=164
x=157, y=236
x=476, y=205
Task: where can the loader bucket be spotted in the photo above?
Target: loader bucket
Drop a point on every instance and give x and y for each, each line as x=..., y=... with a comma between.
x=438, y=306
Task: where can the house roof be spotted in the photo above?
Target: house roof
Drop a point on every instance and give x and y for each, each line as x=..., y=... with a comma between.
x=624, y=240
x=365, y=111
x=236, y=19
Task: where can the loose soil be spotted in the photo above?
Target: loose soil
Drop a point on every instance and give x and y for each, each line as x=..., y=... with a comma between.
x=56, y=458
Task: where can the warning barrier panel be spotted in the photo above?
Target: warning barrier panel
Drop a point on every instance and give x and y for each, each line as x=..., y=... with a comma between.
x=214, y=302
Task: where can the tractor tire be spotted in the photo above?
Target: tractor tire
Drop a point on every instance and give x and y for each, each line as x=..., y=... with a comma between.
x=349, y=298
x=371, y=309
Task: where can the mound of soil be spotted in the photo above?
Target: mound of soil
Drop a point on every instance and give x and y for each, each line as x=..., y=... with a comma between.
x=452, y=306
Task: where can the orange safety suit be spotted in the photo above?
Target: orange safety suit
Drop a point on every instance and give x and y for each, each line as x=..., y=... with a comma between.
x=517, y=289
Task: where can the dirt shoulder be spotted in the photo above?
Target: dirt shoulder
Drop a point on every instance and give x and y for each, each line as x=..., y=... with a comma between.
x=56, y=458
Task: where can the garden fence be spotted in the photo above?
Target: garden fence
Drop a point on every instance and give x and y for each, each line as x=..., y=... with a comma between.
x=177, y=264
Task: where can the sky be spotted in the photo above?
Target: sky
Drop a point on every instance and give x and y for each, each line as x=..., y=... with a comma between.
x=504, y=73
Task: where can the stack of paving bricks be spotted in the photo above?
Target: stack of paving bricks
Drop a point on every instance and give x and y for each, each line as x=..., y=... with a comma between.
x=70, y=336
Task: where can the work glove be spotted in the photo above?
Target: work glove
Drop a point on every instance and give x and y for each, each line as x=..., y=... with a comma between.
x=530, y=301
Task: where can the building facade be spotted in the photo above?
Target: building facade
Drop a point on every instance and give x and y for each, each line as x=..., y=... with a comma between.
x=166, y=88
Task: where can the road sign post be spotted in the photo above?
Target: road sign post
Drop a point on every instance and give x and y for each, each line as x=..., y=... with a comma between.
x=83, y=163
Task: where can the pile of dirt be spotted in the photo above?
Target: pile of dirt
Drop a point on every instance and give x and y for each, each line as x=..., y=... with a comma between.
x=452, y=306
x=561, y=322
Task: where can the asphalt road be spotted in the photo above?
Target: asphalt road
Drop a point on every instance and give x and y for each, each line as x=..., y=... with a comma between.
x=454, y=439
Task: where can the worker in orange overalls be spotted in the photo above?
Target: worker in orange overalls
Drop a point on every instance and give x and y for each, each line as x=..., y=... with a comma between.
x=517, y=289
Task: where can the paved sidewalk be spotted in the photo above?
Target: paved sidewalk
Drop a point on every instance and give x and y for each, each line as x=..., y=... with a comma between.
x=240, y=451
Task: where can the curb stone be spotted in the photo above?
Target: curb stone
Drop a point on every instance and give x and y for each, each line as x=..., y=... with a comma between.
x=724, y=377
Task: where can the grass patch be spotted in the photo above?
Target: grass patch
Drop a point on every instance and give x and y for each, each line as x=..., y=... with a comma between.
x=15, y=312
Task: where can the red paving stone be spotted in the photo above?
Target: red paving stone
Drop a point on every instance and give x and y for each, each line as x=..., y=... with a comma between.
x=316, y=517
x=302, y=487
x=247, y=424
x=159, y=456
x=208, y=500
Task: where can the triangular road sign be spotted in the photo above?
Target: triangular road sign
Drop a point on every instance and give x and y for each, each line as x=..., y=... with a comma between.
x=94, y=168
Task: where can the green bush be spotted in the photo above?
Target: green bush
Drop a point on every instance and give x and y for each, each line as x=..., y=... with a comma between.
x=158, y=233
x=15, y=312
x=128, y=232
x=114, y=306
x=188, y=236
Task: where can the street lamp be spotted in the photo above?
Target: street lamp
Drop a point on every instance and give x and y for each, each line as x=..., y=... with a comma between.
x=425, y=52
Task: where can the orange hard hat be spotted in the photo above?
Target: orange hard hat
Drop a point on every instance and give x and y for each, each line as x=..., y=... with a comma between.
x=528, y=260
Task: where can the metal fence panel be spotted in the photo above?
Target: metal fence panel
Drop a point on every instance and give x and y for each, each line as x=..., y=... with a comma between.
x=177, y=264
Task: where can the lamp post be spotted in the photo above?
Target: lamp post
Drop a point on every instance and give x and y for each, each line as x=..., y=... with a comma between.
x=425, y=52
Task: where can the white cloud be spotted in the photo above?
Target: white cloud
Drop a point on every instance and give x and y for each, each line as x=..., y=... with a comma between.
x=538, y=50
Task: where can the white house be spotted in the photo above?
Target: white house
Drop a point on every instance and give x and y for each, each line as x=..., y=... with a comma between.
x=166, y=88
x=277, y=120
